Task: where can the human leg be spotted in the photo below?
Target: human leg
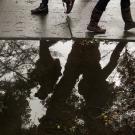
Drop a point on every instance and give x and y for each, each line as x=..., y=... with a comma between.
x=42, y=9
x=126, y=15
x=96, y=98
x=45, y=2
x=59, y=111
x=96, y=15
x=69, y=5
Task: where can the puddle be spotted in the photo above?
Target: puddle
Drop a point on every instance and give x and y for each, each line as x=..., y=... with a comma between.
x=23, y=73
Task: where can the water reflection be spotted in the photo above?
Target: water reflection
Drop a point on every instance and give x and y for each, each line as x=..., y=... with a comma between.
x=76, y=95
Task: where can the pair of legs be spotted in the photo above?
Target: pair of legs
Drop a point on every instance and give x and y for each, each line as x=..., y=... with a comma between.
x=100, y=8
x=43, y=8
x=102, y=4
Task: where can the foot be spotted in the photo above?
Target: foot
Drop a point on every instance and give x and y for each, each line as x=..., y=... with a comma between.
x=42, y=9
x=96, y=29
x=129, y=26
x=69, y=5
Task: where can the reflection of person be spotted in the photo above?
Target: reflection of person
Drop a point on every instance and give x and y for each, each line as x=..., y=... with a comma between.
x=47, y=70
x=100, y=8
x=43, y=8
x=96, y=90
x=83, y=59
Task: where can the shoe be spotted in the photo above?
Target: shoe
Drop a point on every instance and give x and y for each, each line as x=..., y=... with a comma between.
x=96, y=29
x=42, y=9
x=69, y=5
x=129, y=25
x=93, y=25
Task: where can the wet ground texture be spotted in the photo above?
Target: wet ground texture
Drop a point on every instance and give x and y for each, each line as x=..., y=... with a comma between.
x=16, y=21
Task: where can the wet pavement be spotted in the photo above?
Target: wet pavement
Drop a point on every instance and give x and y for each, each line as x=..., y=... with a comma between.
x=62, y=86
x=111, y=20
x=67, y=88
x=16, y=21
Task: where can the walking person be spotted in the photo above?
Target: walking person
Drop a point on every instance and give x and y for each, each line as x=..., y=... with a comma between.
x=43, y=7
x=100, y=8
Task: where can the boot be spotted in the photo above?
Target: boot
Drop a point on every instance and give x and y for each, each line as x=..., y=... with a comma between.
x=93, y=25
x=42, y=9
x=126, y=15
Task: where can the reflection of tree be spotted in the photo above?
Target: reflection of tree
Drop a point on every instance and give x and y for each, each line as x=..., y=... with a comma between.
x=122, y=117
x=127, y=70
x=83, y=59
x=15, y=59
x=15, y=113
x=65, y=113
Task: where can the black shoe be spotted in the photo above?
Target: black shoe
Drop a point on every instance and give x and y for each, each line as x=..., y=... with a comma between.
x=129, y=26
x=42, y=9
x=96, y=29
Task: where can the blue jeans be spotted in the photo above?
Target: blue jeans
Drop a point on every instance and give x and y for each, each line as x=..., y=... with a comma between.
x=102, y=4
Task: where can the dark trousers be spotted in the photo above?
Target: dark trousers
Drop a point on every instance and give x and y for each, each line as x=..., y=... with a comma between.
x=45, y=2
x=101, y=5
